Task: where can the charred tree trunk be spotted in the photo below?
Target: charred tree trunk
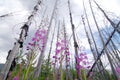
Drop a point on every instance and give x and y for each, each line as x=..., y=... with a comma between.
x=74, y=38
x=18, y=44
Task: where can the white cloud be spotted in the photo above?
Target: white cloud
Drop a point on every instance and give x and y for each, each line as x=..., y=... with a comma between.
x=8, y=28
x=110, y=5
x=3, y=57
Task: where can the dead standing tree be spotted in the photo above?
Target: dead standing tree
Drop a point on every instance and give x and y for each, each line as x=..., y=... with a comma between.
x=108, y=40
x=105, y=45
x=102, y=40
x=18, y=44
x=38, y=68
x=67, y=64
x=74, y=38
x=50, y=51
x=67, y=57
x=99, y=67
x=112, y=24
x=114, y=48
x=92, y=43
x=54, y=66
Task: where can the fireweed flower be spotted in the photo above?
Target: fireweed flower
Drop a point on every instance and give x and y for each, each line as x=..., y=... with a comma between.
x=16, y=78
x=58, y=44
x=53, y=63
x=60, y=47
x=82, y=62
x=38, y=40
x=37, y=43
x=55, y=57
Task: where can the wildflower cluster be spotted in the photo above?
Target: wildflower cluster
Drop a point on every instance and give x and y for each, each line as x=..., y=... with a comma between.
x=82, y=62
x=38, y=40
x=60, y=47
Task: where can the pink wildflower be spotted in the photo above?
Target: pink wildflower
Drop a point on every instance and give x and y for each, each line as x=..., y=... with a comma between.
x=43, y=31
x=82, y=54
x=57, y=51
x=88, y=66
x=62, y=48
x=68, y=59
x=84, y=62
x=55, y=57
x=53, y=63
x=34, y=39
x=79, y=59
x=58, y=44
x=31, y=44
x=16, y=78
x=67, y=53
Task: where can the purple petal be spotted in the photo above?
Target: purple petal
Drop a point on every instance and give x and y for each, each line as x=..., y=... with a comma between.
x=16, y=78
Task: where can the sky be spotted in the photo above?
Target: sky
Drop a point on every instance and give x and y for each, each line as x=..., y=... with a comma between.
x=10, y=26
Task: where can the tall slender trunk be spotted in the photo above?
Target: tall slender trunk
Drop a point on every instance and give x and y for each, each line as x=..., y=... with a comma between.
x=102, y=40
x=99, y=65
x=38, y=68
x=113, y=49
x=109, y=39
x=43, y=15
x=93, y=51
x=74, y=38
x=49, y=54
x=66, y=57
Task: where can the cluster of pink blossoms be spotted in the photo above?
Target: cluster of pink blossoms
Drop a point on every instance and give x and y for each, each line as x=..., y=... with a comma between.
x=38, y=40
x=82, y=62
x=60, y=47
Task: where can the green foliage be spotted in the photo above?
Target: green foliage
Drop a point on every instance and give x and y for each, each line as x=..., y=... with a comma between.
x=47, y=71
x=29, y=68
x=83, y=74
x=25, y=70
x=73, y=72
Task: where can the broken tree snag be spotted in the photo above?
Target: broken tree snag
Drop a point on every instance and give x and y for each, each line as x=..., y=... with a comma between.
x=18, y=44
x=29, y=18
x=25, y=27
x=21, y=43
x=8, y=54
x=24, y=31
x=74, y=37
x=36, y=8
x=75, y=44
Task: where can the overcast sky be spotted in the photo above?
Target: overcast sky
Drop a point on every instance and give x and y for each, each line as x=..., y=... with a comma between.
x=10, y=26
